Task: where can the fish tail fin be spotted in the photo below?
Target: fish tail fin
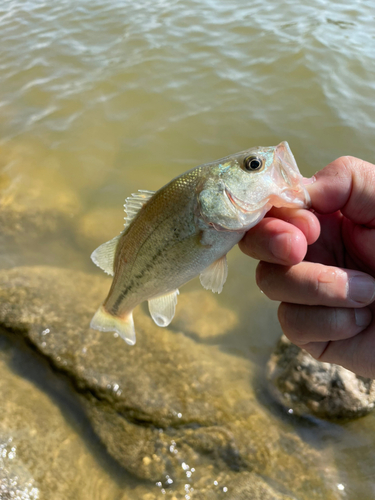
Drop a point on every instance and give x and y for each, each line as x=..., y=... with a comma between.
x=107, y=322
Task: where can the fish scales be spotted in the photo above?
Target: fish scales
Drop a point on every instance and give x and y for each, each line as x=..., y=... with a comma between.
x=145, y=255
x=186, y=229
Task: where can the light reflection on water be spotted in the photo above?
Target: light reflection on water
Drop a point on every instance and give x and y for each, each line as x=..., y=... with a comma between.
x=111, y=97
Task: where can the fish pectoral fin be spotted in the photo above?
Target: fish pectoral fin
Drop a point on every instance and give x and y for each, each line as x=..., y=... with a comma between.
x=135, y=202
x=215, y=275
x=162, y=308
x=107, y=322
x=104, y=255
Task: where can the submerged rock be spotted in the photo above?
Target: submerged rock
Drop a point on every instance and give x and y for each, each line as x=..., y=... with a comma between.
x=43, y=451
x=169, y=409
x=214, y=322
x=37, y=211
x=98, y=226
x=307, y=386
x=36, y=205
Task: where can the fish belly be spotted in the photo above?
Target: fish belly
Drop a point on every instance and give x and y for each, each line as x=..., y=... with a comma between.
x=169, y=258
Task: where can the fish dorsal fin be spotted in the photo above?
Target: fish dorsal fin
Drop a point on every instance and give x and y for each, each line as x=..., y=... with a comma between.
x=162, y=308
x=104, y=255
x=215, y=275
x=134, y=203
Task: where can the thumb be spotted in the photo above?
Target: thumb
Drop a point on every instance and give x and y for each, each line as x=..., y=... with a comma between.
x=347, y=184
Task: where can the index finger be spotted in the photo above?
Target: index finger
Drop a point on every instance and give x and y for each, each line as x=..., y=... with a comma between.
x=281, y=238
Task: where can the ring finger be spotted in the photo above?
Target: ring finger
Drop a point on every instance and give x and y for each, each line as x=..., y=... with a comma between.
x=312, y=327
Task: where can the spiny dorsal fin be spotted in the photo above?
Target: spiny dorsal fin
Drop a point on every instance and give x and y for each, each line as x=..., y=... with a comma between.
x=104, y=255
x=215, y=275
x=134, y=203
x=162, y=308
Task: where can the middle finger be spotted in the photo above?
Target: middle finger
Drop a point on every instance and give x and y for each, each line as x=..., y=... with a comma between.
x=316, y=284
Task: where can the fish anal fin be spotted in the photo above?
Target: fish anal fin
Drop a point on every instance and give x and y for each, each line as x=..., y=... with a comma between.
x=134, y=203
x=162, y=308
x=215, y=275
x=104, y=255
x=107, y=322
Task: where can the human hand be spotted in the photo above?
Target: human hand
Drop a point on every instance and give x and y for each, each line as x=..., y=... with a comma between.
x=326, y=289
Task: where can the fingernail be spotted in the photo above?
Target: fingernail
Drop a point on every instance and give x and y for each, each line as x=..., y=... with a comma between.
x=363, y=317
x=361, y=289
x=306, y=180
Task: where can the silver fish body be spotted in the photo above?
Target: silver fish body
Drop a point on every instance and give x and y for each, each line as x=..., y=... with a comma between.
x=186, y=228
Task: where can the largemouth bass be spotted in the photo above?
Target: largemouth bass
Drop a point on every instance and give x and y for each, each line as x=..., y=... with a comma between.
x=186, y=228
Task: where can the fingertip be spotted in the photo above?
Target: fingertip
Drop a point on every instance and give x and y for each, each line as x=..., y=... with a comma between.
x=243, y=244
x=288, y=248
x=305, y=220
x=281, y=313
x=275, y=241
x=312, y=227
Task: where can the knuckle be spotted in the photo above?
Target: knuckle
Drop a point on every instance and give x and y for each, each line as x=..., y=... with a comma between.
x=332, y=322
x=337, y=321
x=347, y=160
x=361, y=171
x=330, y=283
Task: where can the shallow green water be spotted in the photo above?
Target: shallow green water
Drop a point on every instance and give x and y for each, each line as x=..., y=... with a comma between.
x=110, y=97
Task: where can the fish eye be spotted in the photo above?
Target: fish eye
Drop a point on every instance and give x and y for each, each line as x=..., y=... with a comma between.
x=253, y=163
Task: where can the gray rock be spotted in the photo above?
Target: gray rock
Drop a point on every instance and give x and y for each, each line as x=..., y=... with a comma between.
x=169, y=404
x=307, y=386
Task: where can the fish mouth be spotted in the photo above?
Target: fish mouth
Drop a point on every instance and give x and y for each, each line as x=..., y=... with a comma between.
x=239, y=204
x=293, y=192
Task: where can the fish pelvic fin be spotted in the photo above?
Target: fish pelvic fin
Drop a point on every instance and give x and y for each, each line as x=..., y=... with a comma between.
x=215, y=275
x=104, y=255
x=107, y=322
x=162, y=308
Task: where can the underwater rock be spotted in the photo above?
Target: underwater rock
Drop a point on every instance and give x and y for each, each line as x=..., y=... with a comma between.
x=98, y=225
x=34, y=205
x=37, y=212
x=170, y=409
x=214, y=322
x=307, y=386
x=250, y=486
x=43, y=454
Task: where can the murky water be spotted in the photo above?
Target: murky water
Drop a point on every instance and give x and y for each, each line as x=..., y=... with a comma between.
x=99, y=99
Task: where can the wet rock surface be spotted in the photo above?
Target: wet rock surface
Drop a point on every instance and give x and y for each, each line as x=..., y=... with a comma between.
x=41, y=446
x=169, y=410
x=307, y=386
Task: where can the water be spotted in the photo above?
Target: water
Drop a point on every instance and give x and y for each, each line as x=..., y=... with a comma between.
x=104, y=98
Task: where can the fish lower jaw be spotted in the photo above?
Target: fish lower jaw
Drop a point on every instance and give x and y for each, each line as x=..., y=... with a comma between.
x=291, y=198
x=241, y=205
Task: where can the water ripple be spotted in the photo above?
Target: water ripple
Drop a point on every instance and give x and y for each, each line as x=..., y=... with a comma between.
x=121, y=95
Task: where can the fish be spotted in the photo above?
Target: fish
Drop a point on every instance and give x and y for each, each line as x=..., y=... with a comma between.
x=186, y=228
